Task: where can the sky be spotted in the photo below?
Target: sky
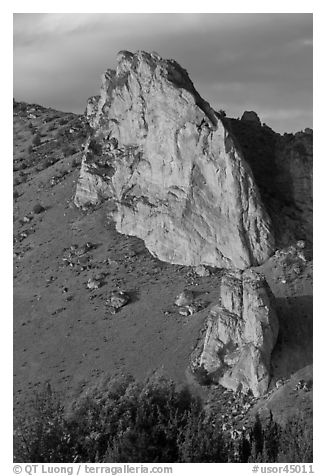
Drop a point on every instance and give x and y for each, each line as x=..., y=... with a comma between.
x=261, y=62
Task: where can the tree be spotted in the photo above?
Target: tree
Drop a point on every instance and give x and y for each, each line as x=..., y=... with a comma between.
x=257, y=439
x=271, y=440
x=296, y=441
x=41, y=435
x=120, y=420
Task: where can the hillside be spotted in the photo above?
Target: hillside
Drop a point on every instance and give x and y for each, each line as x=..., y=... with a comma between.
x=64, y=332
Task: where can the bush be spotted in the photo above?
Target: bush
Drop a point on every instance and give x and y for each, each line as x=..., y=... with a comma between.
x=38, y=208
x=36, y=140
x=20, y=106
x=47, y=163
x=202, y=376
x=75, y=162
x=68, y=150
x=23, y=177
x=15, y=195
x=61, y=133
x=95, y=147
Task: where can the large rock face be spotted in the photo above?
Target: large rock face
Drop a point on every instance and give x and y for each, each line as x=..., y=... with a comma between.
x=240, y=334
x=168, y=167
x=282, y=168
x=294, y=181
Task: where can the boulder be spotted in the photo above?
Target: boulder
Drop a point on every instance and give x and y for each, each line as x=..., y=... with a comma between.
x=184, y=311
x=202, y=271
x=190, y=309
x=169, y=170
x=93, y=283
x=185, y=298
x=239, y=334
x=279, y=383
x=118, y=299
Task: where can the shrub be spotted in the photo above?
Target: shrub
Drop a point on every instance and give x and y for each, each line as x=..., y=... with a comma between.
x=36, y=140
x=95, y=147
x=202, y=376
x=38, y=208
x=47, y=163
x=75, y=162
x=15, y=195
x=22, y=106
x=68, y=150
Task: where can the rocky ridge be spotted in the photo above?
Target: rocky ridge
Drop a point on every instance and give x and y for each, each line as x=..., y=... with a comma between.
x=169, y=169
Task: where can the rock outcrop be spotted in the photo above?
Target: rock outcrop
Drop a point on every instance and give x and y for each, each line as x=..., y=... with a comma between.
x=294, y=181
x=169, y=169
x=239, y=334
x=282, y=167
x=251, y=116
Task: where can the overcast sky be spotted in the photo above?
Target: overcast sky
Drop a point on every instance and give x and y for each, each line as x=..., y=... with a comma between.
x=260, y=62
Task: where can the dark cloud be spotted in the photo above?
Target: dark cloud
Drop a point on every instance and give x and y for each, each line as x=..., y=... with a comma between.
x=236, y=61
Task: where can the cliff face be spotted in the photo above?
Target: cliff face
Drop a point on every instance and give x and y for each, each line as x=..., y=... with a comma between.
x=293, y=178
x=240, y=334
x=282, y=167
x=170, y=170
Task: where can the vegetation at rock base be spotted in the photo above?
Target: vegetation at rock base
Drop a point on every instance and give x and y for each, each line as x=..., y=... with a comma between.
x=68, y=150
x=202, y=376
x=123, y=420
x=95, y=147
